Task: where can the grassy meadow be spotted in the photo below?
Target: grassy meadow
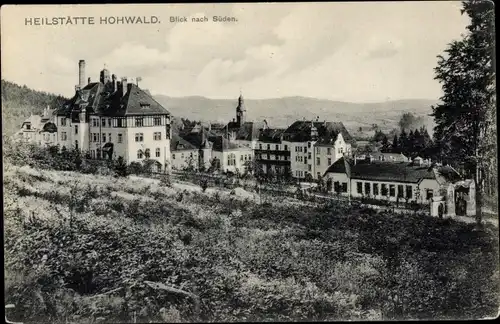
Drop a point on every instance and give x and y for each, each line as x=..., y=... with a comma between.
x=85, y=248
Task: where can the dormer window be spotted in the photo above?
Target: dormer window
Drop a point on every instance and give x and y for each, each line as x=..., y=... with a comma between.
x=145, y=105
x=28, y=126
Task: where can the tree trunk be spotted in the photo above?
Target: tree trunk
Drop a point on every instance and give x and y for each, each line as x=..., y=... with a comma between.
x=479, y=194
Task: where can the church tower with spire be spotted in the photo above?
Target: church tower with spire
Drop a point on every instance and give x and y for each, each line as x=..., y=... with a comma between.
x=241, y=111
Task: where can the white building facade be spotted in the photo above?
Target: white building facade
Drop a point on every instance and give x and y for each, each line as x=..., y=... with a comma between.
x=108, y=119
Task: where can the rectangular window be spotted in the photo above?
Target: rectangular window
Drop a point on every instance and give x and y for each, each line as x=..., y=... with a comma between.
x=286, y=147
x=400, y=191
x=139, y=137
x=173, y=156
x=329, y=161
x=103, y=122
x=268, y=147
x=64, y=136
x=119, y=122
x=139, y=122
x=104, y=137
x=344, y=186
x=305, y=160
x=94, y=122
x=260, y=146
x=329, y=151
x=409, y=191
x=28, y=126
x=336, y=186
x=359, y=187
x=109, y=122
x=309, y=155
x=392, y=190
x=375, y=189
x=318, y=150
x=157, y=121
x=384, y=190
x=367, y=188
x=109, y=137
x=277, y=147
x=241, y=157
x=305, y=149
x=120, y=138
x=157, y=136
x=429, y=193
x=157, y=152
x=63, y=121
x=76, y=129
x=309, y=167
x=318, y=161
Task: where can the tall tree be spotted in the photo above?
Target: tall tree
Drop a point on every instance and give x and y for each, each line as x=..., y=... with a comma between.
x=386, y=147
x=465, y=119
x=403, y=142
x=395, y=144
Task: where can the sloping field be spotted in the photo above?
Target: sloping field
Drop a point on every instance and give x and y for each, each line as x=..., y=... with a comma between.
x=86, y=248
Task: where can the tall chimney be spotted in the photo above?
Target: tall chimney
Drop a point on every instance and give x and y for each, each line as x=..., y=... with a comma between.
x=81, y=73
x=115, y=86
x=88, y=80
x=124, y=86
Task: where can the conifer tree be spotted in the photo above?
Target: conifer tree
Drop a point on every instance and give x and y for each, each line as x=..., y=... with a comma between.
x=466, y=116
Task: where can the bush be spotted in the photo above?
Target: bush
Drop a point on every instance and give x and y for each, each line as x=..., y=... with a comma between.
x=247, y=262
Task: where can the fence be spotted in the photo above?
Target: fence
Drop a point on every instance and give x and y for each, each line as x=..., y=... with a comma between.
x=289, y=190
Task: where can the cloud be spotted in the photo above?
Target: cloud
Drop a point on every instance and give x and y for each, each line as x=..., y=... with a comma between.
x=346, y=51
x=383, y=49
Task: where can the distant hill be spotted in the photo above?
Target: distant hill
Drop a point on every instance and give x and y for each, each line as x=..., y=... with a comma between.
x=283, y=111
x=18, y=102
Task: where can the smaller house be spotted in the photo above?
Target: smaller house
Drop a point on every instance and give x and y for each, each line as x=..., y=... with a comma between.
x=414, y=181
x=230, y=157
x=191, y=150
x=184, y=155
x=39, y=129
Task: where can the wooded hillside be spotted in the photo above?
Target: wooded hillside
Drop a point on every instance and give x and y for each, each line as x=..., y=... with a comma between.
x=18, y=102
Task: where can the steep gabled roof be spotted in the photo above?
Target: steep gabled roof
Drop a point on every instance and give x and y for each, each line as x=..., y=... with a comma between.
x=300, y=131
x=271, y=135
x=99, y=98
x=340, y=166
x=221, y=144
x=249, y=131
x=49, y=127
x=177, y=143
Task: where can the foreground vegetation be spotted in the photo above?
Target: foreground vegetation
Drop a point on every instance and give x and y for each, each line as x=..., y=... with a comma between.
x=85, y=248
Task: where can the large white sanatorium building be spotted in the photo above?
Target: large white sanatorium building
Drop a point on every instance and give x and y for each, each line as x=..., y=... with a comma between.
x=112, y=118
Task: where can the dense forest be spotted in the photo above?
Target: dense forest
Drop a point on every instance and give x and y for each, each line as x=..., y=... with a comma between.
x=18, y=102
x=409, y=139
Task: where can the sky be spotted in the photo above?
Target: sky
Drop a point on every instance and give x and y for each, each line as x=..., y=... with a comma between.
x=353, y=51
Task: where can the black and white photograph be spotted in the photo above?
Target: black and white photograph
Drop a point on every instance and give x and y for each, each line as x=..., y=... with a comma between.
x=249, y=162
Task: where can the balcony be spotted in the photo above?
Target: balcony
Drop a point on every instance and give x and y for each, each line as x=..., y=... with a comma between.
x=275, y=152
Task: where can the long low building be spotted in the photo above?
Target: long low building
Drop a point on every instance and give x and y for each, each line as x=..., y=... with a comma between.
x=413, y=181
